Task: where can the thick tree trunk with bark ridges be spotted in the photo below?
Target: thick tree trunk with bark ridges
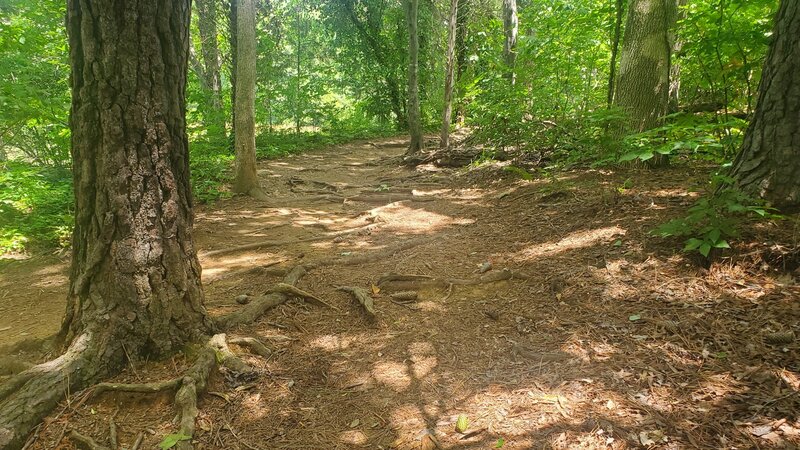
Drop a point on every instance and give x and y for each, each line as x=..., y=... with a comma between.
x=643, y=82
x=769, y=163
x=135, y=288
x=449, y=74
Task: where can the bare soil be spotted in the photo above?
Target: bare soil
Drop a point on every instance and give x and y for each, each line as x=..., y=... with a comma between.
x=604, y=337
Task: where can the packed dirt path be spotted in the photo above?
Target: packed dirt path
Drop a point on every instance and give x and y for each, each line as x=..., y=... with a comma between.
x=544, y=315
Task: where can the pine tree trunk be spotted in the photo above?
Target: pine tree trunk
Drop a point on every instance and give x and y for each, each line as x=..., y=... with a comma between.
x=207, y=26
x=510, y=29
x=135, y=289
x=246, y=181
x=232, y=32
x=643, y=83
x=414, y=125
x=769, y=163
x=449, y=74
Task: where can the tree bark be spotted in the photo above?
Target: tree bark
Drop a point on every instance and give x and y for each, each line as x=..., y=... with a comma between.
x=462, y=22
x=246, y=181
x=612, y=74
x=232, y=32
x=135, y=289
x=510, y=29
x=449, y=74
x=414, y=125
x=207, y=26
x=644, y=72
x=769, y=162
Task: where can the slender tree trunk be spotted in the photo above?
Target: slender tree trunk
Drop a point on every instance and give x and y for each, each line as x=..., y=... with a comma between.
x=449, y=74
x=246, y=181
x=135, y=289
x=769, y=162
x=298, y=68
x=462, y=22
x=414, y=125
x=233, y=41
x=510, y=28
x=612, y=73
x=207, y=25
x=644, y=72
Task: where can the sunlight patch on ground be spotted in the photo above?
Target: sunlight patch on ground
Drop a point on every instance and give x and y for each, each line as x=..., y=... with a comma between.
x=402, y=218
x=254, y=407
x=330, y=343
x=353, y=437
x=576, y=240
x=392, y=374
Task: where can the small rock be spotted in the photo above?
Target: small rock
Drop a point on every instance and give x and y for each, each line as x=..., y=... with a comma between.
x=243, y=299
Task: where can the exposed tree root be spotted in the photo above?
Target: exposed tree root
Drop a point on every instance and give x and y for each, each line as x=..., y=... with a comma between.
x=144, y=388
x=85, y=442
x=11, y=366
x=405, y=282
x=274, y=243
x=290, y=290
x=259, y=305
x=362, y=297
x=388, y=198
x=370, y=257
x=252, y=344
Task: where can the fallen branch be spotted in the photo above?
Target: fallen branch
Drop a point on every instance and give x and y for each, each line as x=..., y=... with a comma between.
x=362, y=297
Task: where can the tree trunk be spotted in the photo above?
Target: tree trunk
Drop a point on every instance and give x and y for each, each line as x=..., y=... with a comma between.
x=246, y=181
x=232, y=32
x=135, y=288
x=367, y=34
x=414, y=125
x=769, y=162
x=207, y=25
x=462, y=22
x=510, y=29
x=612, y=74
x=644, y=69
x=449, y=74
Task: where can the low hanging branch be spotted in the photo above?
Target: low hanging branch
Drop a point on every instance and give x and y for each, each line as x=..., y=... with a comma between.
x=362, y=297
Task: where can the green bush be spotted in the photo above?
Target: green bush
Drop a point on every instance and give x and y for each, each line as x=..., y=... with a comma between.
x=36, y=206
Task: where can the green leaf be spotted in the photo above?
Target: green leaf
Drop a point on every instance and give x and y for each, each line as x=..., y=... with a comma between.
x=722, y=244
x=171, y=440
x=692, y=244
x=628, y=157
x=704, y=249
x=635, y=317
x=500, y=443
x=713, y=235
x=646, y=156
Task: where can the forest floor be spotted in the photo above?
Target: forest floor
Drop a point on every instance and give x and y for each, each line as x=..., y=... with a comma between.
x=554, y=319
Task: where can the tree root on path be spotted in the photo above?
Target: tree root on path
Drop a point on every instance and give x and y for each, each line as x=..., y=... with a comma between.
x=406, y=281
x=362, y=297
x=85, y=442
x=274, y=243
x=290, y=290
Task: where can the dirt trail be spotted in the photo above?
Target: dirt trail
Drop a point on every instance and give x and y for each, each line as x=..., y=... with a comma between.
x=601, y=338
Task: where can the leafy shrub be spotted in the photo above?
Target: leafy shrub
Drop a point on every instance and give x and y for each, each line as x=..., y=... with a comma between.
x=695, y=136
x=36, y=206
x=716, y=217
